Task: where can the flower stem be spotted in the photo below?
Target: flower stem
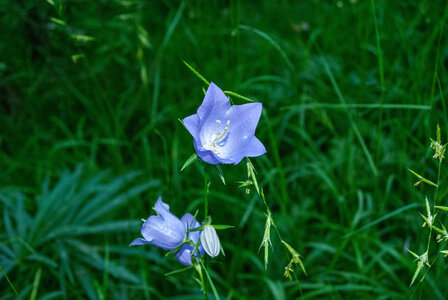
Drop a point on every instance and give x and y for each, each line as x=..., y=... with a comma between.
x=205, y=194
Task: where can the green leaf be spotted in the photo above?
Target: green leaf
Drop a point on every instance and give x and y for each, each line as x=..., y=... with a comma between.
x=57, y=21
x=428, y=210
x=422, y=178
x=417, y=271
x=215, y=292
x=189, y=161
x=222, y=227
x=178, y=271
x=82, y=37
x=196, y=73
x=238, y=96
x=221, y=174
x=445, y=208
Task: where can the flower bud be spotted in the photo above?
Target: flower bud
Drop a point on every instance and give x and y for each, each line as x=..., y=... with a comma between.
x=210, y=241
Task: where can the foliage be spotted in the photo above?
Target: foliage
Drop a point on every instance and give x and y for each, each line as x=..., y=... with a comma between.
x=351, y=92
x=56, y=238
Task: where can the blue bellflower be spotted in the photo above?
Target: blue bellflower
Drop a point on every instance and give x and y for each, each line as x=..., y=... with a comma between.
x=223, y=133
x=168, y=232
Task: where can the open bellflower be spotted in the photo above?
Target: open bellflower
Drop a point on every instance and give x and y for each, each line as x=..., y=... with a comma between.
x=223, y=133
x=168, y=232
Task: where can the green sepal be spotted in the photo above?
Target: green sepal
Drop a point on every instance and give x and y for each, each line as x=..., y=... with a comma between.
x=189, y=161
x=221, y=174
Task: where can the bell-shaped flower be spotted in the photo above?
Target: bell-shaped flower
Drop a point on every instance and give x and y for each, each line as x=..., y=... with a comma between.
x=223, y=133
x=164, y=230
x=210, y=241
x=184, y=254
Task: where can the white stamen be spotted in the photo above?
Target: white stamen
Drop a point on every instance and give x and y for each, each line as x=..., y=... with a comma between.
x=217, y=137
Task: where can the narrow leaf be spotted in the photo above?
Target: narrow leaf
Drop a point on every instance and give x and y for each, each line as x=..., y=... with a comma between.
x=189, y=161
x=221, y=174
x=423, y=178
x=196, y=73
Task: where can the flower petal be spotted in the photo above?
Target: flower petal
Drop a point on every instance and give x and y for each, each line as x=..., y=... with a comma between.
x=184, y=255
x=214, y=101
x=244, y=118
x=205, y=155
x=192, y=124
x=139, y=241
x=166, y=230
x=190, y=223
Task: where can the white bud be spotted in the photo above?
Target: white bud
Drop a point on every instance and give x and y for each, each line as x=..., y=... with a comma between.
x=210, y=241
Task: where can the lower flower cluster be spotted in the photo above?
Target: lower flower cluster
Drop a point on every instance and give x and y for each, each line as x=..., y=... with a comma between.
x=184, y=236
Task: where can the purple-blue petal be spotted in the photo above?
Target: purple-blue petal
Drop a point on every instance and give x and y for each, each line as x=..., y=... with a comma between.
x=190, y=223
x=214, y=101
x=205, y=155
x=165, y=230
x=244, y=118
x=184, y=254
x=223, y=133
x=139, y=241
x=192, y=124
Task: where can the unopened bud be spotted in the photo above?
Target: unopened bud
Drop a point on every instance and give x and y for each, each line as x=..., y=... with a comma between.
x=210, y=241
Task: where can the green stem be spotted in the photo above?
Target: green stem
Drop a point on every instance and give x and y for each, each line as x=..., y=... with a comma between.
x=205, y=194
x=10, y=283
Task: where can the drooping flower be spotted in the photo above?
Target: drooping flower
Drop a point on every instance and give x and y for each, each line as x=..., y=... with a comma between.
x=168, y=232
x=210, y=241
x=164, y=230
x=223, y=133
x=184, y=254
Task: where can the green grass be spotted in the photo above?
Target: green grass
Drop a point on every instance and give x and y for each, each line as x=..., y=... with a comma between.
x=90, y=97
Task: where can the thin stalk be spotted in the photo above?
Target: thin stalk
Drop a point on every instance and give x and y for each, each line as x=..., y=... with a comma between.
x=10, y=283
x=205, y=194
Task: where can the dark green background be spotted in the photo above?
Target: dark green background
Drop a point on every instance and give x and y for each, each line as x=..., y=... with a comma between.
x=91, y=91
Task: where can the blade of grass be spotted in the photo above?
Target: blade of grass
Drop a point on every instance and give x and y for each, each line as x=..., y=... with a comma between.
x=350, y=117
x=383, y=218
x=270, y=40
